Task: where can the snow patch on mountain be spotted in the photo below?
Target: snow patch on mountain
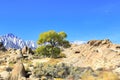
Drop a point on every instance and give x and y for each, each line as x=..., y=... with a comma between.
x=78, y=42
x=12, y=41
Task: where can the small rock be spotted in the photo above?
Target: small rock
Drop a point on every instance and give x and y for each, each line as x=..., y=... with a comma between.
x=77, y=52
x=43, y=78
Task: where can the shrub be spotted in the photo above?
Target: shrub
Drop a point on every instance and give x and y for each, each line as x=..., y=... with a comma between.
x=60, y=70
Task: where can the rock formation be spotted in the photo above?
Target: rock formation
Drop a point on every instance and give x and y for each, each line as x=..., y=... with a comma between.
x=98, y=42
x=24, y=50
x=95, y=53
x=27, y=50
x=18, y=71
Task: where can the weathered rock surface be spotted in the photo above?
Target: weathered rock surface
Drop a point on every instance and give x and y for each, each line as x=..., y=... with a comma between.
x=18, y=71
x=24, y=50
x=5, y=75
x=27, y=50
x=96, y=54
x=99, y=42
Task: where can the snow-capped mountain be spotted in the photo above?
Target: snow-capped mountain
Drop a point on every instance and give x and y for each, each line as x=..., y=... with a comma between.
x=12, y=41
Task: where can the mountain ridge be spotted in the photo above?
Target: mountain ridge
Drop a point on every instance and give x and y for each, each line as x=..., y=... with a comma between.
x=11, y=41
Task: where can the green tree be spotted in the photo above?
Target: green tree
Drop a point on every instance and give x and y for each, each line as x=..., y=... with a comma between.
x=50, y=43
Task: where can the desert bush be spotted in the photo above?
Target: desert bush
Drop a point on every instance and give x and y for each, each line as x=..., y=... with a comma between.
x=60, y=70
x=56, y=71
x=44, y=52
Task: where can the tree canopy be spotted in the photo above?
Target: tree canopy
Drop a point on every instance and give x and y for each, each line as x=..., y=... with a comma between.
x=50, y=43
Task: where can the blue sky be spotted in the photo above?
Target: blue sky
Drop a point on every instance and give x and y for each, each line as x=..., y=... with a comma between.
x=80, y=19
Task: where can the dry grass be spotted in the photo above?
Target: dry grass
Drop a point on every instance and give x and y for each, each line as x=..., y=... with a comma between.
x=54, y=61
x=107, y=75
x=45, y=61
x=104, y=75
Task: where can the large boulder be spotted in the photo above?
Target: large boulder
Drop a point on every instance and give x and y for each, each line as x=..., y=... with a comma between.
x=24, y=50
x=27, y=50
x=18, y=71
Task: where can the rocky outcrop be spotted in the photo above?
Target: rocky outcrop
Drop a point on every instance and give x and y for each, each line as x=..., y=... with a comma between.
x=95, y=53
x=18, y=71
x=98, y=42
x=27, y=50
x=24, y=50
